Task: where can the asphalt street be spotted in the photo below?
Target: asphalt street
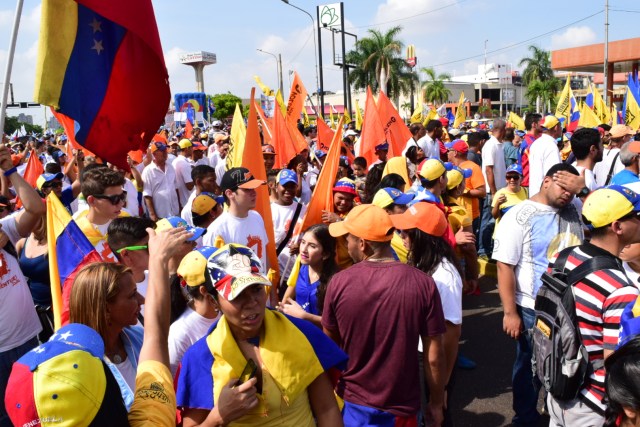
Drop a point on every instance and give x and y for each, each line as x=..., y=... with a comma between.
x=482, y=396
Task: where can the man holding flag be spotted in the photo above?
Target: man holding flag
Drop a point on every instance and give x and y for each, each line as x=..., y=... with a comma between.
x=20, y=323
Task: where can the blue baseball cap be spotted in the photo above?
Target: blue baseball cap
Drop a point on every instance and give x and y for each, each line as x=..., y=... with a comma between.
x=514, y=168
x=389, y=195
x=320, y=154
x=286, y=176
x=520, y=133
x=175, y=222
x=382, y=147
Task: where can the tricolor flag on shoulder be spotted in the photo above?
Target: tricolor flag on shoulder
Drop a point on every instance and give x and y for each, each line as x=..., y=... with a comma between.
x=69, y=251
x=100, y=63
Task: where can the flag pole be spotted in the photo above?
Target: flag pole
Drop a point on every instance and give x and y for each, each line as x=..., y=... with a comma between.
x=7, y=73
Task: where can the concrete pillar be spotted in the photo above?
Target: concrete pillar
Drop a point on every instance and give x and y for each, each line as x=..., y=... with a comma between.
x=199, y=69
x=608, y=96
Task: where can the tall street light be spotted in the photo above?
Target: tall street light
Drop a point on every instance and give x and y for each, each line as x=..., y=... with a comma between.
x=278, y=68
x=315, y=48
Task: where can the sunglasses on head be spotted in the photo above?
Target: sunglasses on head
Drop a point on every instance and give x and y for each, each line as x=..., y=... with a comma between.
x=114, y=199
x=133, y=248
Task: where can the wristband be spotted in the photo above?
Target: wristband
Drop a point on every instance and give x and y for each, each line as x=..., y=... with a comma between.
x=10, y=171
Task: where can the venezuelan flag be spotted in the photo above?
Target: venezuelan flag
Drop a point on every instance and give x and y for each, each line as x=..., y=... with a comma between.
x=100, y=64
x=69, y=251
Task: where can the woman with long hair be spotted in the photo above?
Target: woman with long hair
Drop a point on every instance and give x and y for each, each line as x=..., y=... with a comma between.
x=422, y=227
x=622, y=385
x=305, y=300
x=105, y=297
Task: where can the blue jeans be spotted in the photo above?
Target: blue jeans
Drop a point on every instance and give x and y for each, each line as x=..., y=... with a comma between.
x=6, y=362
x=485, y=240
x=525, y=385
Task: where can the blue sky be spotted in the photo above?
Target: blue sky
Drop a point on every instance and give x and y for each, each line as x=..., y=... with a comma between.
x=448, y=34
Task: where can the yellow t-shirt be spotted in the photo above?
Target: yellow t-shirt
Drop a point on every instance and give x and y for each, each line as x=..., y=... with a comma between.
x=512, y=200
x=154, y=403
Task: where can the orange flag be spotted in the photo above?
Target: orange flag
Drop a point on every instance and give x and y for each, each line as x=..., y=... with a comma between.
x=396, y=131
x=297, y=95
x=322, y=197
x=285, y=140
x=69, y=129
x=372, y=130
x=252, y=160
x=267, y=125
x=188, y=129
x=31, y=173
x=325, y=136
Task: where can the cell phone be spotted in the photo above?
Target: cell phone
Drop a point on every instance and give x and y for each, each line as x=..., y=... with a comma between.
x=248, y=372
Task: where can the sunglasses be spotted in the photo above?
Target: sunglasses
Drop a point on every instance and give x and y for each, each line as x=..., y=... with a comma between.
x=133, y=248
x=513, y=177
x=115, y=199
x=55, y=184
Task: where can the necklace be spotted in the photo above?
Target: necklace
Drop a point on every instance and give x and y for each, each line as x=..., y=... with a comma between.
x=383, y=259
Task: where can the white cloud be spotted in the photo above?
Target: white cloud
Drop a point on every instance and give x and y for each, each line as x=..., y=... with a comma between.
x=410, y=14
x=572, y=37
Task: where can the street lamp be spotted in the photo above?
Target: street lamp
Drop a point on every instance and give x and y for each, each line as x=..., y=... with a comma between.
x=278, y=67
x=315, y=48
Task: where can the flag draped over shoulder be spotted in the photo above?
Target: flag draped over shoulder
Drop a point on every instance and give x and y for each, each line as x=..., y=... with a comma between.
x=297, y=95
x=372, y=130
x=252, y=159
x=69, y=251
x=461, y=113
x=238, y=137
x=395, y=130
x=322, y=197
x=100, y=63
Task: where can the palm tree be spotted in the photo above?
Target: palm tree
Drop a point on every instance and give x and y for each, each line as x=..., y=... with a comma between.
x=406, y=106
x=537, y=69
x=434, y=88
x=544, y=92
x=377, y=57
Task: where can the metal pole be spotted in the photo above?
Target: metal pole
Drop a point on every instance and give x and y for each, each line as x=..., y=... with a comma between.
x=345, y=71
x=315, y=45
x=7, y=73
x=321, y=87
x=606, y=52
x=280, y=71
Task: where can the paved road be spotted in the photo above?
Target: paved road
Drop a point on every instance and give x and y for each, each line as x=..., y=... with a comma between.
x=482, y=397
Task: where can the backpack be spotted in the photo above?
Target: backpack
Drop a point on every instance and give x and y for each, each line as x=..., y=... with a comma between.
x=560, y=360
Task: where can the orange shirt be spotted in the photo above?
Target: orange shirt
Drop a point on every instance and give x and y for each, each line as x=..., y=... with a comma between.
x=476, y=181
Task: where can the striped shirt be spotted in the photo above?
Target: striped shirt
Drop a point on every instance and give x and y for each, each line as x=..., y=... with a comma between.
x=600, y=299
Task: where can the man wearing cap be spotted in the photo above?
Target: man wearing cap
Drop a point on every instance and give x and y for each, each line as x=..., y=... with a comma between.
x=394, y=201
x=381, y=381
x=206, y=207
x=529, y=234
x=197, y=154
x=433, y=176
x=493, y=170
x=630, y=158
x=160, y=190
x=183, y=165
x=611, y=214
x=269, y=157
x=204, y=180
x=240, y=223
x=544, y=153
x=286, y=213
x=52, y=183
x=381, y=151
x=611, y=164
x=509, y=196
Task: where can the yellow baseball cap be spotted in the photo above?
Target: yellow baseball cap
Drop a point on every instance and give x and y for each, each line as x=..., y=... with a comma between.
x=185, y=143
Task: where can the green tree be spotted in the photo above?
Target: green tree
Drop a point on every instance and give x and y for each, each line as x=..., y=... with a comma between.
x=434, y=89
x=406, y=106
x=377, y=59
x=12, y=123
x=225, y=104
x=544, y=93
x=537, y=69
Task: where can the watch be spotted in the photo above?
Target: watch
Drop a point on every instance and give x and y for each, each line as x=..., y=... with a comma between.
x=584, y=192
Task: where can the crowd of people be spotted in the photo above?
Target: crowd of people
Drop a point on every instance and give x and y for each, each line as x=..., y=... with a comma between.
x=181, y=322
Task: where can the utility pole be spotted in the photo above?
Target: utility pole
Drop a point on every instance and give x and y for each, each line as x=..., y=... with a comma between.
x=321, y=87
x=484, y=73
x=7, y=73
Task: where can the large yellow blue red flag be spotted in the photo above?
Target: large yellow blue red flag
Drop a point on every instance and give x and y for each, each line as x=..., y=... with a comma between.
x=100, y=63
x=69, y=251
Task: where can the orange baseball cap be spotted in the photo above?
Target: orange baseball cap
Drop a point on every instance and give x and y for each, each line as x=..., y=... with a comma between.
x=368, y=222
x=423, y=216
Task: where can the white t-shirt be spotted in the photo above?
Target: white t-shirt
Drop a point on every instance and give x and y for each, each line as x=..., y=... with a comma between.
x=282, y=217
x=133, y=206
x=410, y=143
x=589, y=182
x=430, y=147
x=247, y=231
x=184, y=332
x=543, y=154
x=449, y=285
x=220, y=168
x=493, y=155
x=186, y=210
x=128, y=372
x=214, y=155
x=161, y=187
x=632, y=275
x=142, y=288
x=601, y=169
x=18, y=315
x=530, y=234
x=183, y=167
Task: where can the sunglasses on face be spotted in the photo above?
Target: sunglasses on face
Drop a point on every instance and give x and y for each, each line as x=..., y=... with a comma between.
x=114, y=199
x=55, y=184
x=513, y=177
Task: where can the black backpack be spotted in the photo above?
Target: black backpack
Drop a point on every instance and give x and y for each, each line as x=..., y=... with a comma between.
x=560, y=360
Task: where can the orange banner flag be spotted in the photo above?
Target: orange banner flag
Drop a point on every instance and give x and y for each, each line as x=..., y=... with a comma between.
x=252, y=160
x=267, y=125
x=285, y=140
x=297, y=95
x=188, y=129
x=31, y=173
x=395, y=129
x=325, y=136
x=322, y=197
x=372, y=130
x=69, y=129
